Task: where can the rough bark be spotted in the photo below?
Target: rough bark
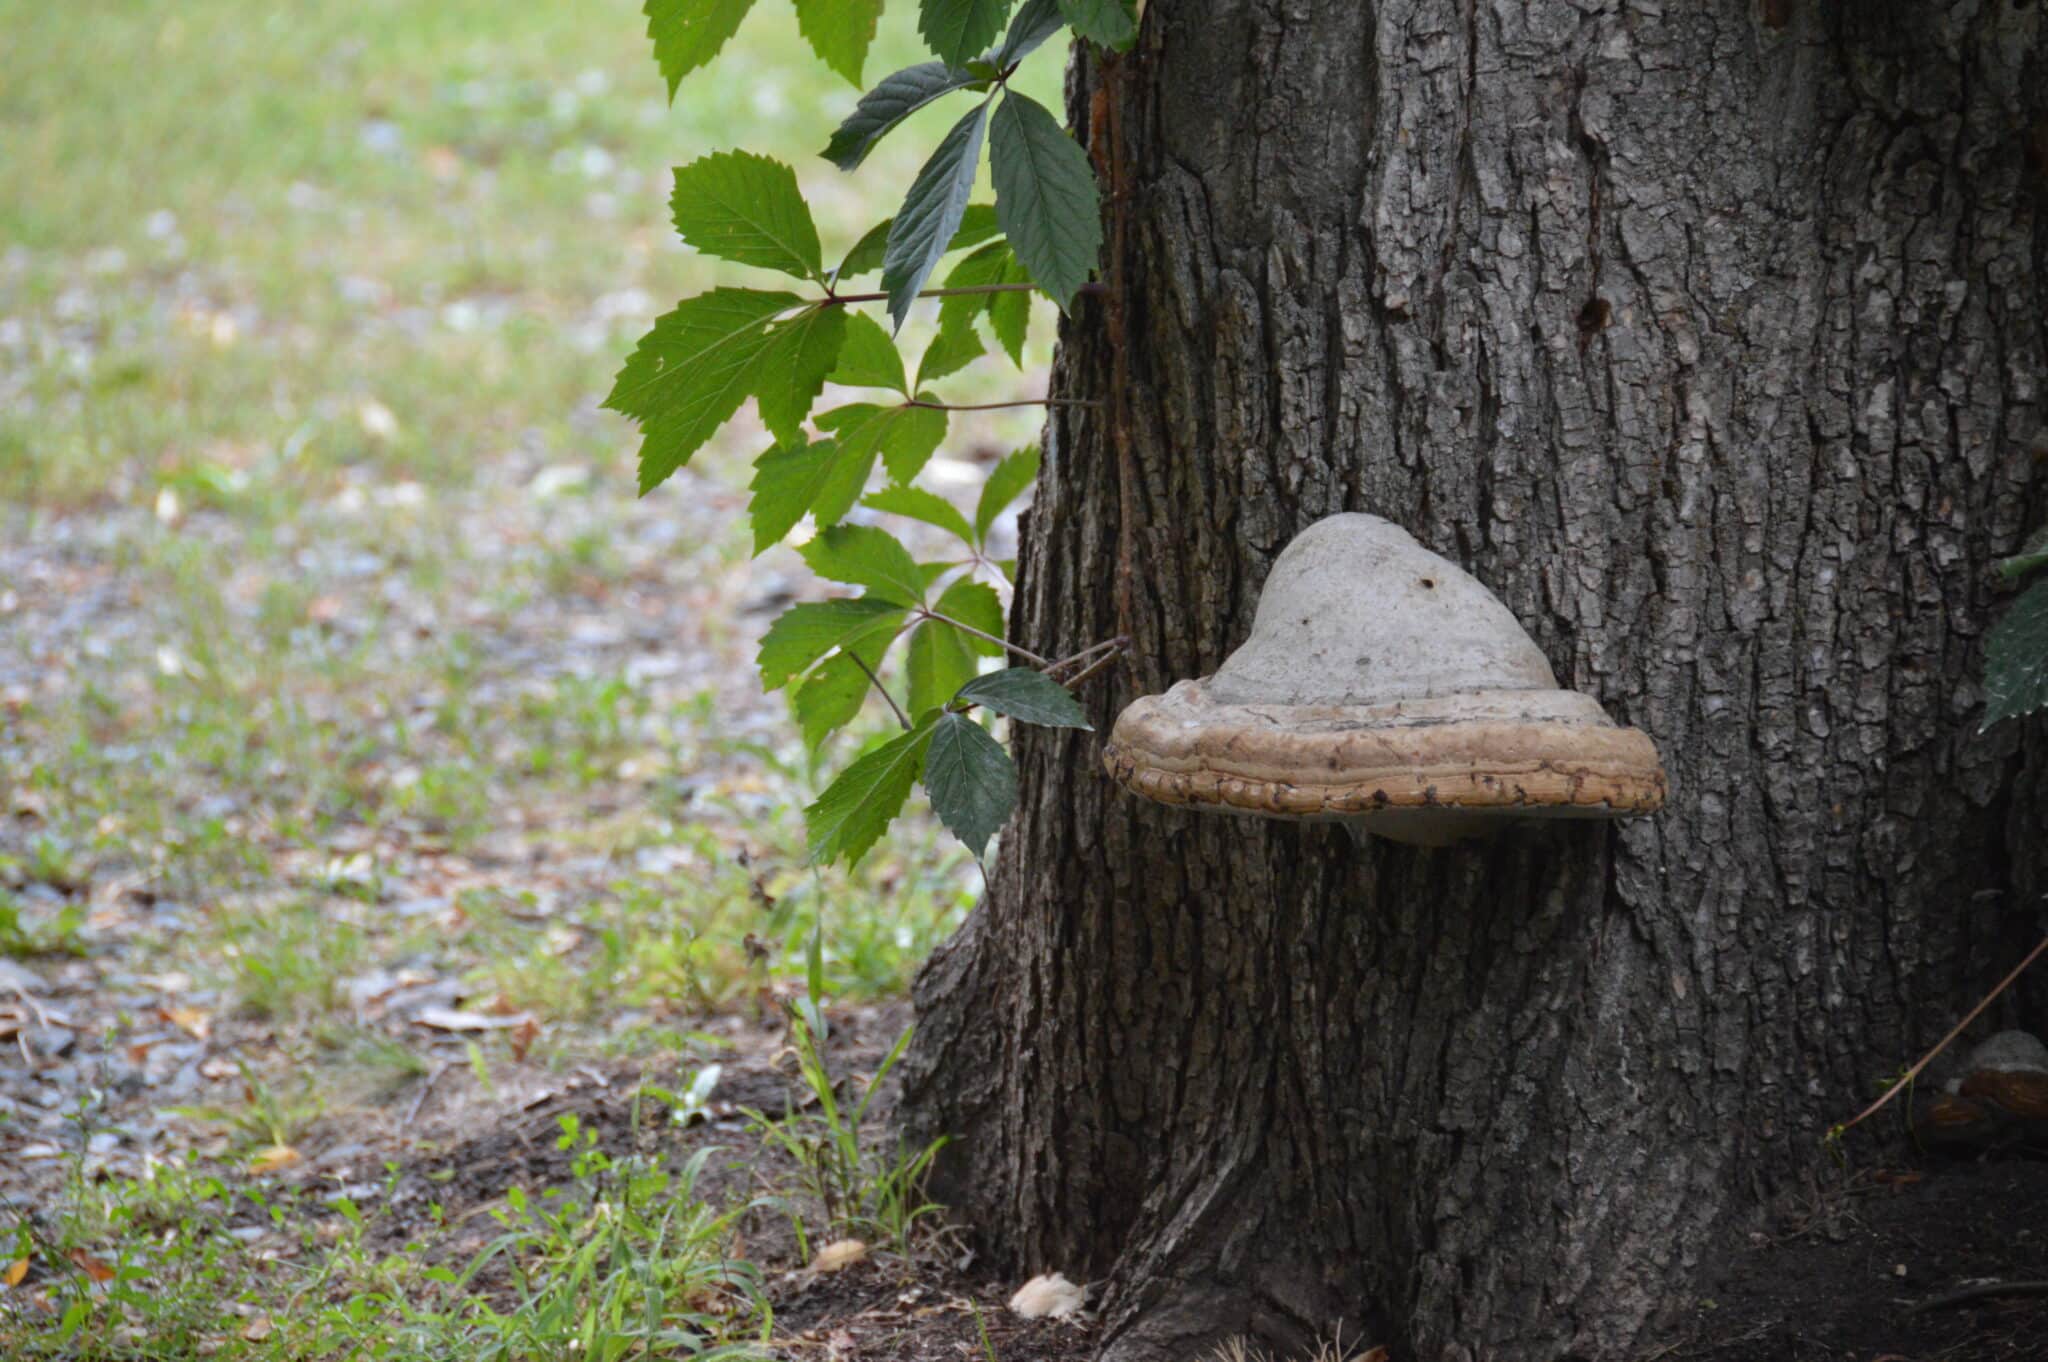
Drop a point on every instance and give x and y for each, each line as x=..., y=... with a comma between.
x=1709, y=336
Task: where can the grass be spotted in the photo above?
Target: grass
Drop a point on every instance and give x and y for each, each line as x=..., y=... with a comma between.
x=337, y=659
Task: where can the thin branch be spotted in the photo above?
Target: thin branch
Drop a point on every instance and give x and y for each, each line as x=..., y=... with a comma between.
x=997, y=406
x=1895, y=1089
x=1118, y=643
x=1025, y=653
x=901, y=717
x=958, y=291
x=1097, y=665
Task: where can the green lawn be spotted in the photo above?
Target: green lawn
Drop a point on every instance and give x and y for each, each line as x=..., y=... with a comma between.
x=337, y=656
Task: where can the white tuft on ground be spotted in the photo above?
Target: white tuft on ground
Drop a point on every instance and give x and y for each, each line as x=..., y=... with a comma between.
x=840, y=1253
x=1048, y=1296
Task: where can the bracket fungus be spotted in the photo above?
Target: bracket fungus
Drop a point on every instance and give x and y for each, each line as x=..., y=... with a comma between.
x=1383, y=687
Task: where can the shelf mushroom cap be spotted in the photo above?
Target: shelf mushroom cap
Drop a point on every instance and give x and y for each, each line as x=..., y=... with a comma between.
x=1384, y=687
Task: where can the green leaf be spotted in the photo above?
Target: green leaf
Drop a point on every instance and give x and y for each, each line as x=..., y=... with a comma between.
x=977, y=604
x=839, y=31
x=804, y=633
x=1045, y=197
x=2016, y=659
x=918, y=504
x=932, y=212
x=949, y=353
x=1037, y=21
x=869, y=358
x=858, y=807
x=899, y=95
x=1009, y=480
x=832, y=695
x=1027, y=696
x=791, y=372
x=1008, y=313
x=787, y=480
x=971, y=780
x=844, y=482
x=939, y=664
x=1113, y=23
x=958, y=30
x=746, y=209
x=691, y=372
x=861, y=555
x=977, y=225
x=906, y=436
x=2034, y=555
x=688, y=33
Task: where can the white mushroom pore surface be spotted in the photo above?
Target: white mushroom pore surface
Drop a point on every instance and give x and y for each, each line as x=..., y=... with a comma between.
x=1383, y=687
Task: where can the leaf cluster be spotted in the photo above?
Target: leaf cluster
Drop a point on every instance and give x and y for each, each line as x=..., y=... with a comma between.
x=781, y=345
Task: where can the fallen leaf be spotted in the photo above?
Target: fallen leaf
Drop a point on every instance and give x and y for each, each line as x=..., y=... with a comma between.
x=454, y=1019
x=90, y=1266
x=276, y=1157
x=1048, y=1296
x=190, y=1020
x=840, y=1253
x=523, y=1037
x=16, y=1270
x=257, y=1329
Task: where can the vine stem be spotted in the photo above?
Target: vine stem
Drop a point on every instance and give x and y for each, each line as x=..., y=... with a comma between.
x=1116, y=648
x=883, y=690
x=1895, y=1089
x=998, y=406
x=925, y=612
x=957, y=291
x=1114, y=645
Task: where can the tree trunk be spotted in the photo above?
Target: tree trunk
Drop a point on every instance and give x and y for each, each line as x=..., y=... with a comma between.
x=1709, y=335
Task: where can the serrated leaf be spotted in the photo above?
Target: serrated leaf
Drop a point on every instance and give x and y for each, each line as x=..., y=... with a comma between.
x=839, y=31
x=971, y=780
x=957, y=30
x=918, y=504
x=858, y=807
x=905, y=436
x=943, y=656
x=949, y=353
x=2034, y=555
x=869, y=358
x=844, y=482
x=895, y=97
x=832, y=695
x=861, y=555
x=1008, y=313
x=1045, y=197
x=792, y=369
x=688, y=33
x=787, y=481
x=2016, y=659
x=932, y=212
x=1009, y=480
x=746, y=209
x=1037, y=21
x=691, y=372
x=1113, y=23
x=976, y=604
x=1027, y=696
x=977, y=225
x=939, y=663
x=806, y=632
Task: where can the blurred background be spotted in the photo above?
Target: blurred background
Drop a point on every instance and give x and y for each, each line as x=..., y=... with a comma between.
x=344, y=682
